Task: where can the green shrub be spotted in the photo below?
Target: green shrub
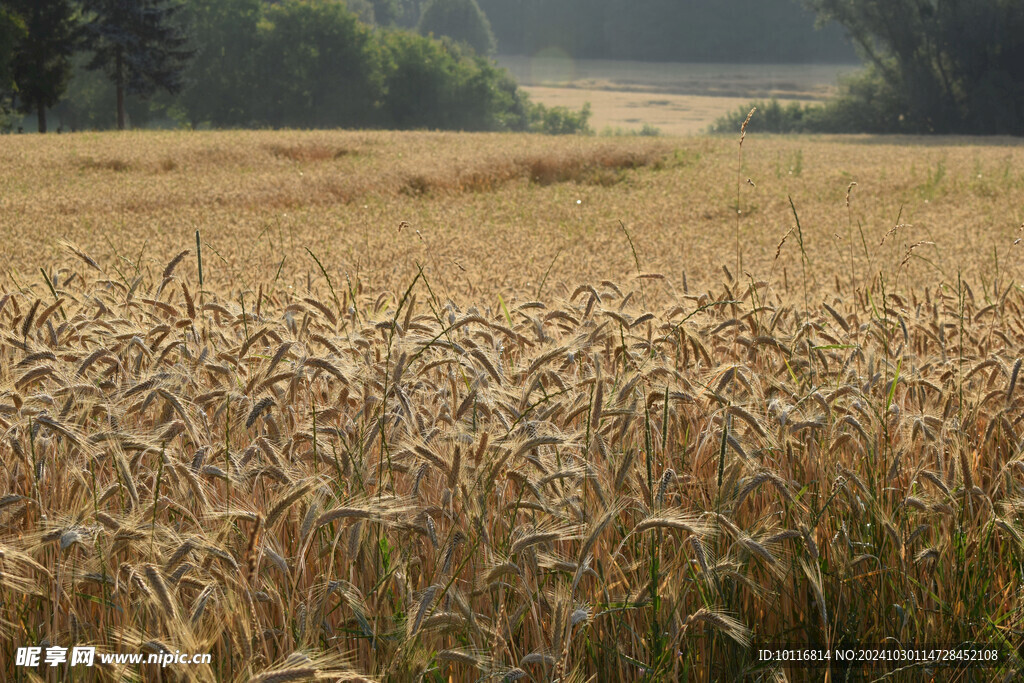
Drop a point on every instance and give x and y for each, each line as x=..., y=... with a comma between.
x=771, y=117
x=646, y=131
x=560, y=120
x=435, y=84
x=865, y=104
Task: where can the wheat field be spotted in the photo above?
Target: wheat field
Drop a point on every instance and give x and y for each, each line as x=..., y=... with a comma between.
x=423, y=406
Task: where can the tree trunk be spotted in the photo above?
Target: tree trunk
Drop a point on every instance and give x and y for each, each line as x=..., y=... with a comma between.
x=119, y=78
x=41, y=117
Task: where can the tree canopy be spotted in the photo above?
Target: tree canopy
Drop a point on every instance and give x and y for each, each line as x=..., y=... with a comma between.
x=218, y=80
x=942, y=67
x=138, y=44
x=325, y=63
x=460, y=20
x=317, y=66
x=295, y=63
x=12, y=28
x=772, y=31
x=40, y=62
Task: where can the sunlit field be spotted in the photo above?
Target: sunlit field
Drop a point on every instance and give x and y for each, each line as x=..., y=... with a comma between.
x=435, y=406
x=676, y=99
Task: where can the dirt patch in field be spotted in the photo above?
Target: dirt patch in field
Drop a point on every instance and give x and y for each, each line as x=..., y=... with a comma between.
x=116, y=165
x=308, y=152
x=601, y=167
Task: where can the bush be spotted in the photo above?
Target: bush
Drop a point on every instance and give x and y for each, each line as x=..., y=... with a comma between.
x=771, y=117
x=866, y=104
x=434, y=84
x=646, y=131
x=560, y=120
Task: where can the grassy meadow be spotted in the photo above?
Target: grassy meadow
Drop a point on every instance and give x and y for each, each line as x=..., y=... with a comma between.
x=435, y=406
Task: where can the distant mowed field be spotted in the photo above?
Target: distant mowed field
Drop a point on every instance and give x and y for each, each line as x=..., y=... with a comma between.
x=456, y=407
x=677, y=99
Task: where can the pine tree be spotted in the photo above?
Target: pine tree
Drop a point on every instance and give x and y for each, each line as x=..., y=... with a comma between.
x=140, y=46
x=41, y=64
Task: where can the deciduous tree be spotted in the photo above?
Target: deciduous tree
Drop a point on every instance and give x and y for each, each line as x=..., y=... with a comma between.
x=12, y=29
x=460, y=20
x=318, y=66
x=221, y=76
x=948, y=65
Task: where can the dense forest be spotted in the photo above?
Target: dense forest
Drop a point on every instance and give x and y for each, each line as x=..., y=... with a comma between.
x=764, y=31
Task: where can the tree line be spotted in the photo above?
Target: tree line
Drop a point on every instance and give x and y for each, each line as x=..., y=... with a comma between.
x=935, y=67
x=261, y=63
x=778, y=31
x=138, y=46
x=757, y=31
x=932, y=66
